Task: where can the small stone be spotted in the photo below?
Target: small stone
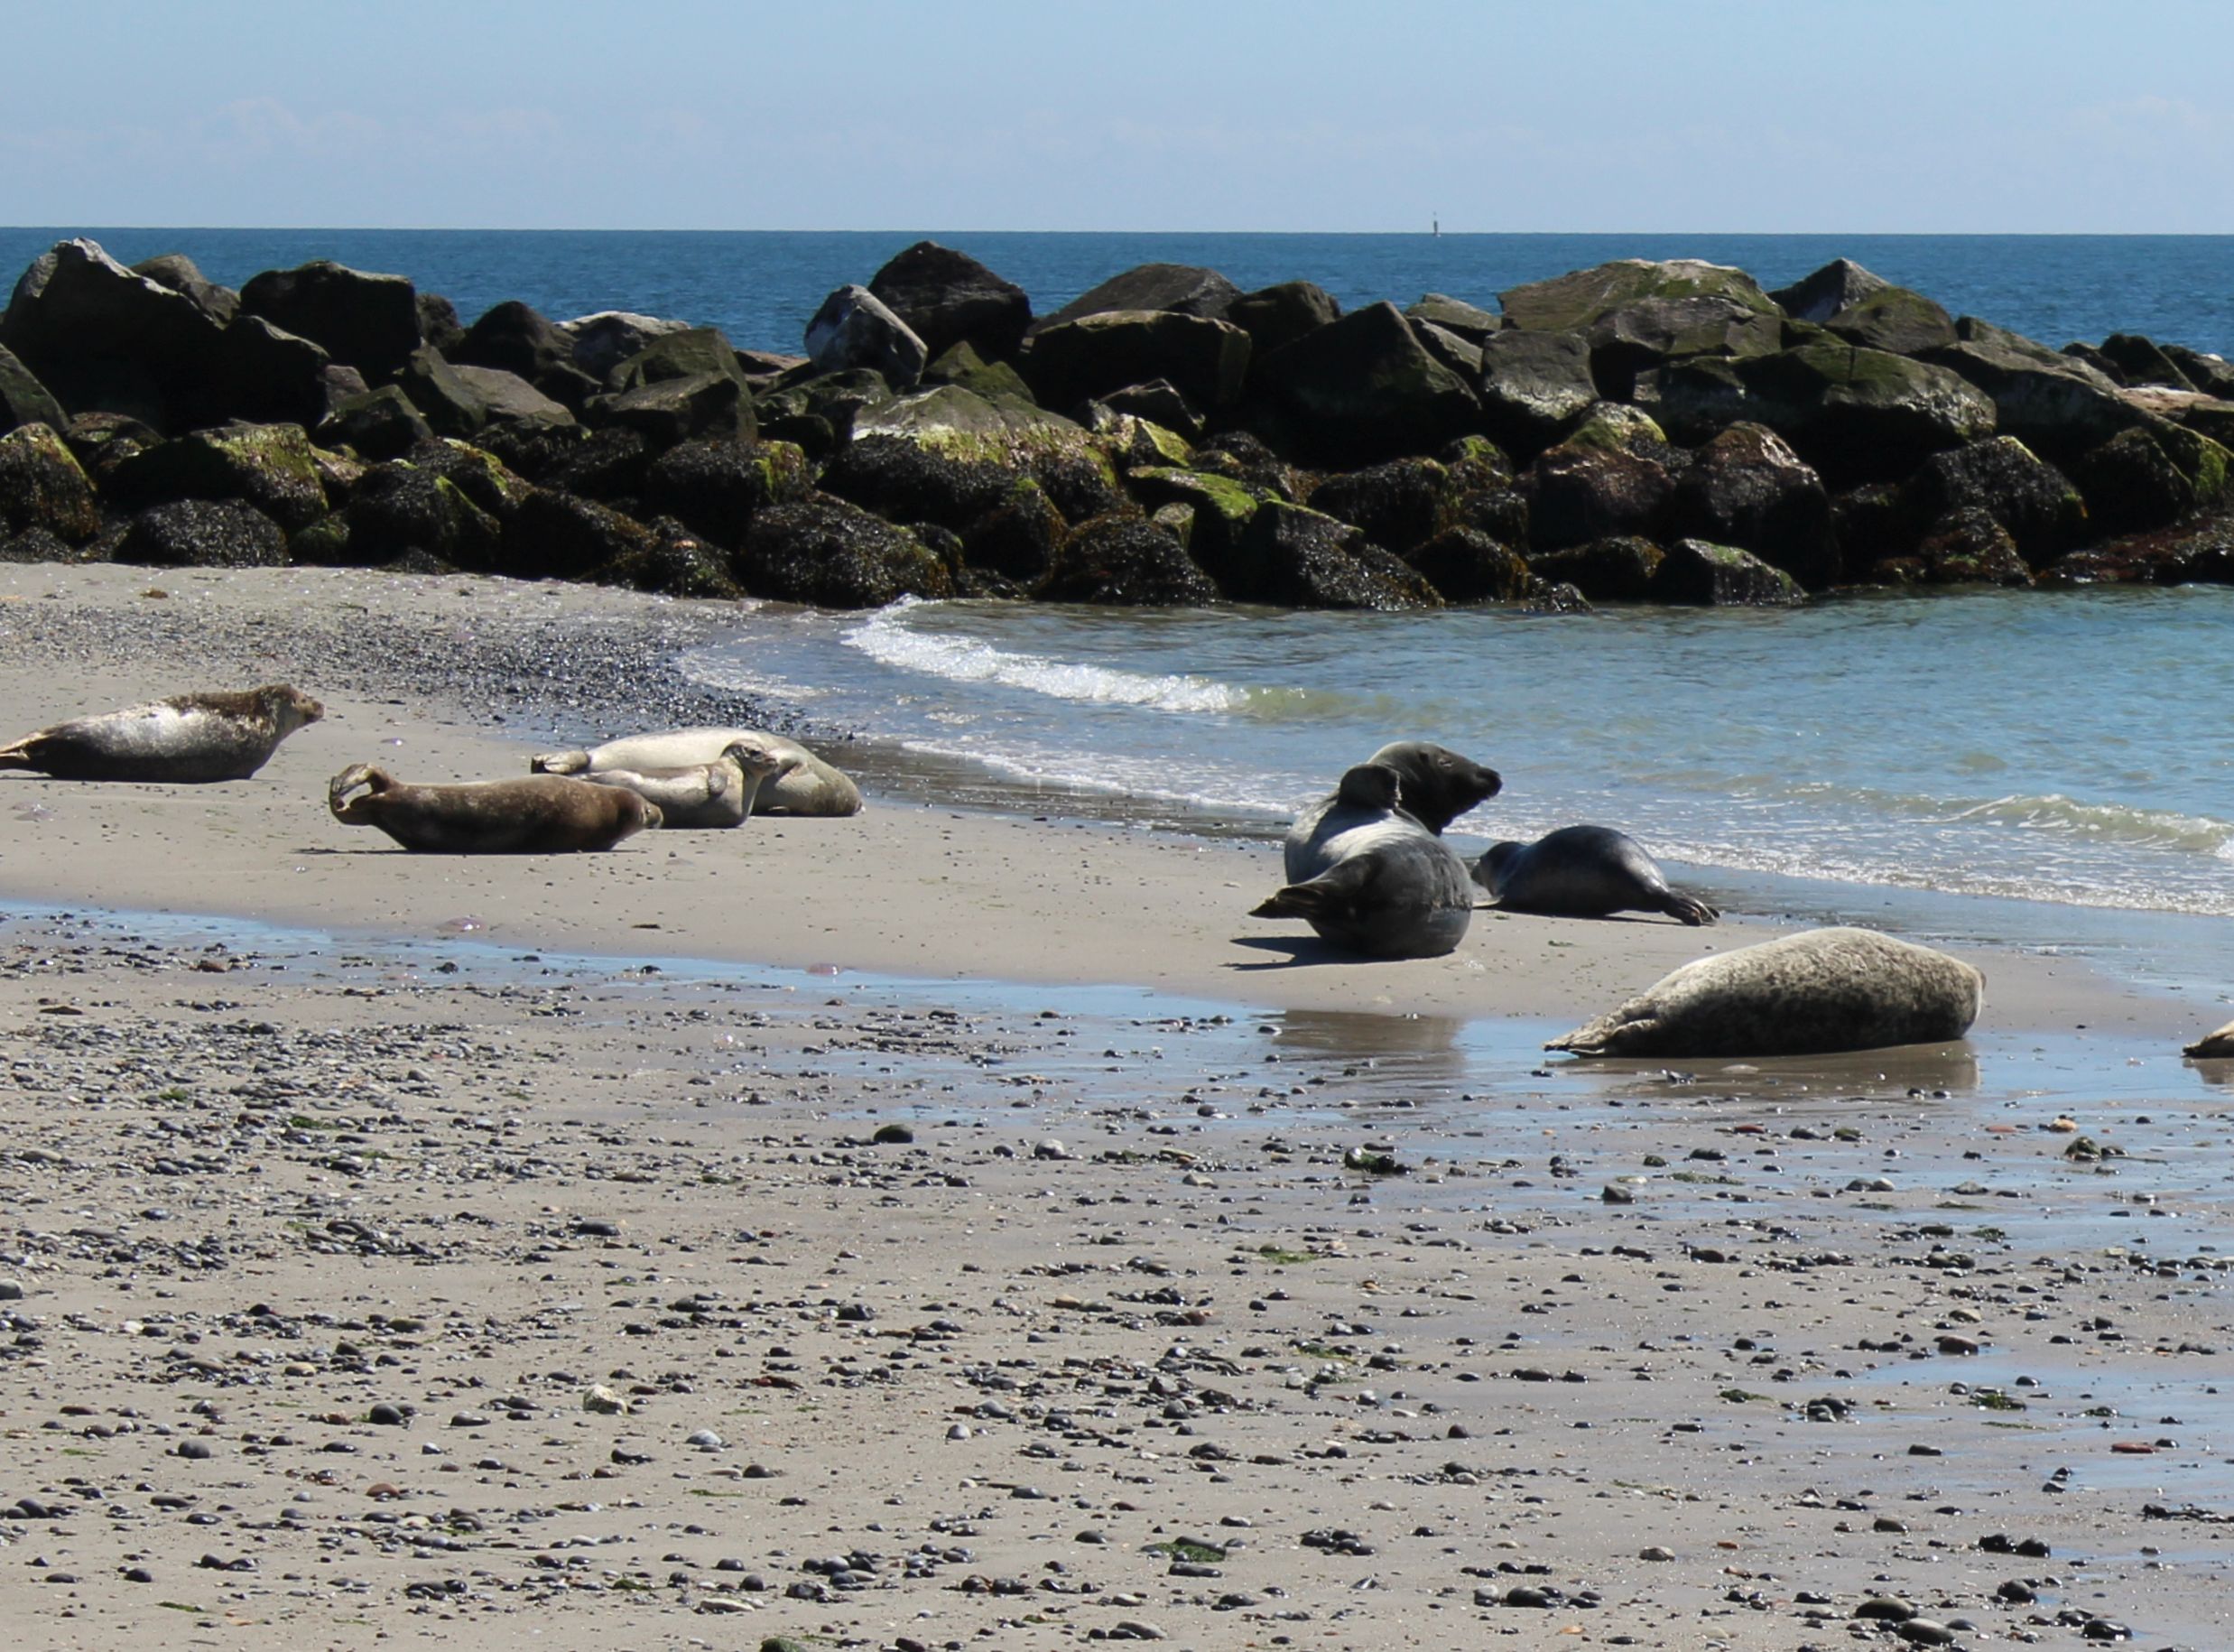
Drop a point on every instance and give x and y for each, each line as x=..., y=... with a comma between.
x=604, y=1402
x=1655, y=1553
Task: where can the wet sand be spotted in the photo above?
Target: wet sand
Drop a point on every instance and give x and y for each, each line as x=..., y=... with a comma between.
x=1202, y=1287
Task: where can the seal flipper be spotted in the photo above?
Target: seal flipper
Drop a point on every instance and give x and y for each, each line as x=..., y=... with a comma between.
x=18, y=755
x=559, y=763
x=1694, y=913
x=1331, y=897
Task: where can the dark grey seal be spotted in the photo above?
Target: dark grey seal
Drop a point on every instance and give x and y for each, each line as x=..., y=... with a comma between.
x=542, y=814
x=187, y=740
x=1582, y=872
x=1367, y=875
x=1827, y=990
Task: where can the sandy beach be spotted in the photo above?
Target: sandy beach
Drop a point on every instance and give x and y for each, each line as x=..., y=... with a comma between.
x=947, y=1228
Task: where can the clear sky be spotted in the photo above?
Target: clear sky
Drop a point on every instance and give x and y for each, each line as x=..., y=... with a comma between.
x=1835, y=116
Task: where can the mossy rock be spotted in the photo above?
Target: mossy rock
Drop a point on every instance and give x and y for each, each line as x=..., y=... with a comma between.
x=204, y=533
x=1133, y=443
x=1401, y=505
x=272, y=466
x=1294, y=557
x=715, y=487
x=1219, y=507
x=1579, y=493
x=399, y=506
x=1019, y=538
x=946, y=455
x=963, y=368
x=2045, y=514
x=833, y=554
x=1124, y=559
x=672, y=562
x=1613, y=570
x=1969, y=547
x=1616, y=427
x=1696, y=573
x=1466, y=565
x=1574, y=301
x=323, y=544
x=1894, y=318
x=42, y=487
x=478, y=474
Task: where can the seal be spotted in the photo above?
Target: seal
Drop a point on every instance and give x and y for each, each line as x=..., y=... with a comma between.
x=542, y=814
x=189, y=739
x=717, y=794
x=1810, y=994
x=1582, y=872
x=2211, y=1046
x=1368, y=875
x=813, y=787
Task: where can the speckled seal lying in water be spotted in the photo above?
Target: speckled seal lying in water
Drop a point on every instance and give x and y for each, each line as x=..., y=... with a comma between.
x=810, y=786
x=186, y=739
x=1366, y=876
x=542, y=814
x=1829, y=989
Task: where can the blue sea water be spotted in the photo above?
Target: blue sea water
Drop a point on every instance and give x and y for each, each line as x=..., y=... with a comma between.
x=2046, y=769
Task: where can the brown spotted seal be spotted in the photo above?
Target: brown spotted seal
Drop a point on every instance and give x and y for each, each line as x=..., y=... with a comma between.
x=812, y=787
x=1582, y=872
x=542, y=814
x=1826, y=991
x=186, y=739
x=1369, y=876
x=717, y=794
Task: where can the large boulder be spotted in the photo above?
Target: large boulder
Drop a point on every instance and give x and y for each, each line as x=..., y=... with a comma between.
x=2056, y=405
x=101, y=339
x=712, y=406
x=817, y=411
x=263, y=375
x=439, y=326
x=1641, y=337
x=1703, y=575
x=2211, y=375
x=1071, y=362
x=715, y=488
x=1748, y=488
x=483, y=478
x=2043, y=513
x=855, y=328
x=947, y=298
x=1019, y=538
x=602, y=341
x=557, y=536
x=441, y=393
x=516, y=338
x=179, y=273
x=961, y=365
x=1127, y=561
x=398, y=508
x=1577, y=302
x=24, y=400
x=1577, y=492
x=675, y=562
x=1893, y=318
x=1858, y=414
x=947, y=456
x=44, y=488
x=1964, y=547
x=1294, y=557
x=1218, y=509
x=2192, y=552
x=1467, y=565
x=1181, y=288
x=1275, y=317
x=1614, y=569
x=2142, y=361
x=506, y=398
x=203, y=533
x=693, y=352
x=837, y=555
x=1839, y=285
x=368, y=321
x=269, y=466
x=1455, y=315
x=1534, y=386
x=1400, y=505
x=380, y=424
x=1363, y=389
x=2131, y=484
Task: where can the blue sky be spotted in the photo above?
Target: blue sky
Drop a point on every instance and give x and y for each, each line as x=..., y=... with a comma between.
x=1838, y=115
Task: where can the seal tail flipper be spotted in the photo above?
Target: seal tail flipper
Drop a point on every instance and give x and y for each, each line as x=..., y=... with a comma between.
x=1328, y=896
x=1616, y=1034
x=1694, y=913
x=18, y=755
x=557, y=763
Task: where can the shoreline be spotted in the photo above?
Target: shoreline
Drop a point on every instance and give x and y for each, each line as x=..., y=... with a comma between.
x=453, y=1260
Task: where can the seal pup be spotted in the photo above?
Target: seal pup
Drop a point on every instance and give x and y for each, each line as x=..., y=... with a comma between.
x=187, y=740
x=719, y=794
x=542, y=814
x=1439, y=786
x=2213, y=1045
x=1582, y=872
x=1369, y=876
x=812, y=787
x=1810, y=994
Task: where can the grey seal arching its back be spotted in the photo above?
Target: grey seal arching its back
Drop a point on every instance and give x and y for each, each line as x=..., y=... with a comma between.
x=1810, y=994
x=541, y=814
x=187, y=740
x=1582, y=872
x=1368, y=876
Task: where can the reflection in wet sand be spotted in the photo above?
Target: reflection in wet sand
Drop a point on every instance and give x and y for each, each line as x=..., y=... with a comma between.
x=1934, y=1070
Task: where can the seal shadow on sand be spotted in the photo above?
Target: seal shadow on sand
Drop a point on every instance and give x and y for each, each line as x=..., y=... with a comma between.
x=1301, y=951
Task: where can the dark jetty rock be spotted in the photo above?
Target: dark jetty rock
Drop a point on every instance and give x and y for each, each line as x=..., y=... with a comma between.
x=1640, y=431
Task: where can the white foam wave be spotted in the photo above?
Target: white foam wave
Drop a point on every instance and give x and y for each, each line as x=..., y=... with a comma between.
x=889, y=641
